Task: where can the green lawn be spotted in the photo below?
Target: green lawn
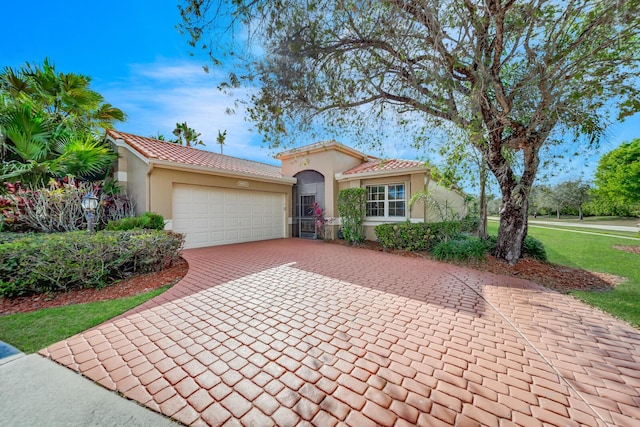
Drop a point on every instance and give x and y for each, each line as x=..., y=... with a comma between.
x=30, y=332
x=596, y=253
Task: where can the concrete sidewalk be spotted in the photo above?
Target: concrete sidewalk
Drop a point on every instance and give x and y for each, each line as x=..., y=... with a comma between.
x=35, y=391
x=589, y=226
x=603, y=227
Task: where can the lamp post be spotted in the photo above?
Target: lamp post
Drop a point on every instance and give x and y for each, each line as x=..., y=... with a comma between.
x=89, y=204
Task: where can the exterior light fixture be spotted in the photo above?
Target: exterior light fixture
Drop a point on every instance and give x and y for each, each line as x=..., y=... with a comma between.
x=89, y=205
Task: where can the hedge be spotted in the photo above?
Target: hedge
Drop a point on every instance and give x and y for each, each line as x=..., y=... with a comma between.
x=62, y=261
x=148, y=220
x=422, y=236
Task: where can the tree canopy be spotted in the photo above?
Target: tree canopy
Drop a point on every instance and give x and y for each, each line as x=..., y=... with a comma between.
x=617, y=177
x=515, y=75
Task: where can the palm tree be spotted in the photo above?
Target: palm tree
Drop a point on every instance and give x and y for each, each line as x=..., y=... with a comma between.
x=51, y=124
x=220, y=139
x=159, y=137
x=82, y=155
x=186, y=135
x=65, y=97
x=37, y=148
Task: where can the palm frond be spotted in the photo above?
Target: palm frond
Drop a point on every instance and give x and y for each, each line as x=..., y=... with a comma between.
x=29, y=133
x=83, y=156
x=14, y=169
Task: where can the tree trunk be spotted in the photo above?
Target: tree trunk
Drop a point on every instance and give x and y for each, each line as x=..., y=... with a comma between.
x=515, y=197
x=558, y=213
x=512, y=231
x=580, y=215
x=482, y=229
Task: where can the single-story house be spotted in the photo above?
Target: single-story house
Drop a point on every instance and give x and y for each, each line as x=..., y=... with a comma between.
x=217, y=199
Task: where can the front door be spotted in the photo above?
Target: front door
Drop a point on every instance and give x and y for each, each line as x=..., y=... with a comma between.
x=306, y=224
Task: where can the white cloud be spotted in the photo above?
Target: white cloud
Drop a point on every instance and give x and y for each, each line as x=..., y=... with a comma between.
x=157, y=96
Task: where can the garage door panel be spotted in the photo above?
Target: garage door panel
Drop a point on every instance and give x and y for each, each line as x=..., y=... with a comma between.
x=217, y=236
x=210, y=216
x=200, y=224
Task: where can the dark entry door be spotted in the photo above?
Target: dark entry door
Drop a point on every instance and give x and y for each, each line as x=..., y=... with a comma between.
x=306, y=224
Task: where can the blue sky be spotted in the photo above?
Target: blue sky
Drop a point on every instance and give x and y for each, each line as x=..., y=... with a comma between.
x=140, y=63
x=137, y=60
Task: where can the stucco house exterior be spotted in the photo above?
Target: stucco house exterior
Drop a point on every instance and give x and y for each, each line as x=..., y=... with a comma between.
x=217, y=199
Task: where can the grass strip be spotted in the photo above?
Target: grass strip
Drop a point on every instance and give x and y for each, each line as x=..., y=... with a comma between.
x=30, y=332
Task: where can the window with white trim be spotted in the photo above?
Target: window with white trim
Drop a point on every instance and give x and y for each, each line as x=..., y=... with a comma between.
x=386, y=201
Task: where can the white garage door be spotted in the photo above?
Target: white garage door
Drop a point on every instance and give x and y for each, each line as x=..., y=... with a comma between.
x=211, y=216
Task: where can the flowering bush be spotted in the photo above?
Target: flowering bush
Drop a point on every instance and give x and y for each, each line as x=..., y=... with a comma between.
x=319, y=220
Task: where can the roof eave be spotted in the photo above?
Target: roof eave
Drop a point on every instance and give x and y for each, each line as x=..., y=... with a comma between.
x=341, y=177
x=122, y=143
x=221, y=172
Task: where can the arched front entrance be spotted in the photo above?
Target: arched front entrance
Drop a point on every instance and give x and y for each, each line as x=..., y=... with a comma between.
x=308, y=190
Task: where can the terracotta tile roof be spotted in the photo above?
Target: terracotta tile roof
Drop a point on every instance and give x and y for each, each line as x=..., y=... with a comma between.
x=170, y=152
x=385, y=165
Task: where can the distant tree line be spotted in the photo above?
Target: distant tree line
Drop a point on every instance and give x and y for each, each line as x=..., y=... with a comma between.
x=614, y=192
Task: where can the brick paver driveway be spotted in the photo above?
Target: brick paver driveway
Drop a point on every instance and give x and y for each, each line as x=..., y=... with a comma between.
x=298, y=332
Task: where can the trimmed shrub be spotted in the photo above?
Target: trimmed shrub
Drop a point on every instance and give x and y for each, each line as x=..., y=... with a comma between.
x=62, y=261
x=534, y=248
x=156, y=221
x=147, y=220
x=125, y=224
x=8, y=236
x=419, y=236
x=352, y=210
x=467, y=249
x=469, y=224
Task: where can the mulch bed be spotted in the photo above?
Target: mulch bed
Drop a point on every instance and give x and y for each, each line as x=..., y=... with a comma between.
x=128, y=287
x=558, y=277
x=630, y=249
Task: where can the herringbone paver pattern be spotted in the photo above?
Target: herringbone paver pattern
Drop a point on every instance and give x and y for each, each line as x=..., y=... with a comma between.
x=295, y=332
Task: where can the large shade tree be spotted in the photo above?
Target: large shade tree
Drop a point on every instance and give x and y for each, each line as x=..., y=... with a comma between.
x=516, y=75
x=573, y=194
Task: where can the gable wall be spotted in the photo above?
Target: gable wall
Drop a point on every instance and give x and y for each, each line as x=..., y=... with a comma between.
x=327, y=162
x=450, y=203
x=131, y=173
